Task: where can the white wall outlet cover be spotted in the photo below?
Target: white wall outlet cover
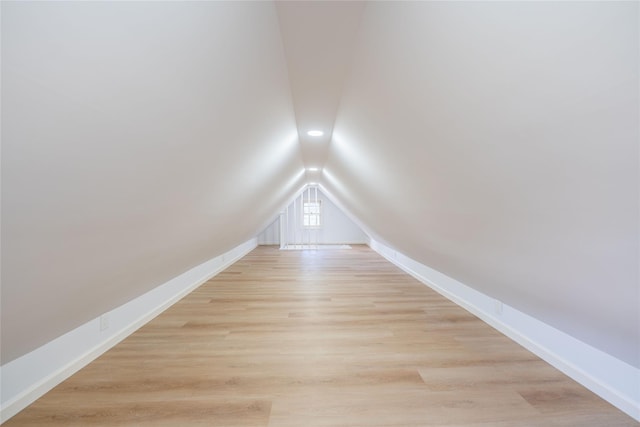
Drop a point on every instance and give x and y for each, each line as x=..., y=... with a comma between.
x=104, y=322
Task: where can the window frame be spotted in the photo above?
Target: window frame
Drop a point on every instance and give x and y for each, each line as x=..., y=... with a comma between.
x=306, y=216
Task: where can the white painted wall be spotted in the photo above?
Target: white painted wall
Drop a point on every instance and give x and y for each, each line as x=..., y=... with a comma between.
x=271, y=234
x=497, y=143
x=336, y=227
x=134, y=136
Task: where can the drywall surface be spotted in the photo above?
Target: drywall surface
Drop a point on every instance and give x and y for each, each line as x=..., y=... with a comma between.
x=497, y=143
x=336, y=227
x=271, y=234
x=127, y=157
x=318, y=37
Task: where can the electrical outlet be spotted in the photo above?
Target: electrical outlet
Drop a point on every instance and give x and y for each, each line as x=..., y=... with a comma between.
x=104, y=322
x=497, y=307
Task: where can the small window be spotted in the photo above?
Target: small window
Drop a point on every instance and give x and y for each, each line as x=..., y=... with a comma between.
x=311, y=214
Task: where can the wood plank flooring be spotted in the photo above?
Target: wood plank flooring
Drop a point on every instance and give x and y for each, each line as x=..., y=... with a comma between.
x=318, y=338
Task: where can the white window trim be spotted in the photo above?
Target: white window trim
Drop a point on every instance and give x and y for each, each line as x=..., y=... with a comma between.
x=319, y=214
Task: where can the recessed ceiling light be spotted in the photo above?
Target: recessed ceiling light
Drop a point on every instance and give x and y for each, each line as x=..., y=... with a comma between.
x=312, y=169
x=315, y=133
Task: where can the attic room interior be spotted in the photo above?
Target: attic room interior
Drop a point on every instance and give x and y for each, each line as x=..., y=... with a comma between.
x=320, y=213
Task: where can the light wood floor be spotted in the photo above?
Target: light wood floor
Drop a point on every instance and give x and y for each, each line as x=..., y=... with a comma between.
x=318, y=338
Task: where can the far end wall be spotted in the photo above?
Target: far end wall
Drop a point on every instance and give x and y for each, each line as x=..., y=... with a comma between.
x=336, y=227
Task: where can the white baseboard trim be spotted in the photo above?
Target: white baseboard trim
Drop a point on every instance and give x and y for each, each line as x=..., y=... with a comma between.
x=610, y=378
x=328, y=243
x=25, y=379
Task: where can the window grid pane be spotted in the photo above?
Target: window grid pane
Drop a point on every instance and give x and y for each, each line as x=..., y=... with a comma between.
x=311, y=214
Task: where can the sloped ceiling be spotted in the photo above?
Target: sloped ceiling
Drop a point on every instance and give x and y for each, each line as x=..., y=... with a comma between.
x=495, y=142
x=498, y=143
x=139, y=139
x=318, y=38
